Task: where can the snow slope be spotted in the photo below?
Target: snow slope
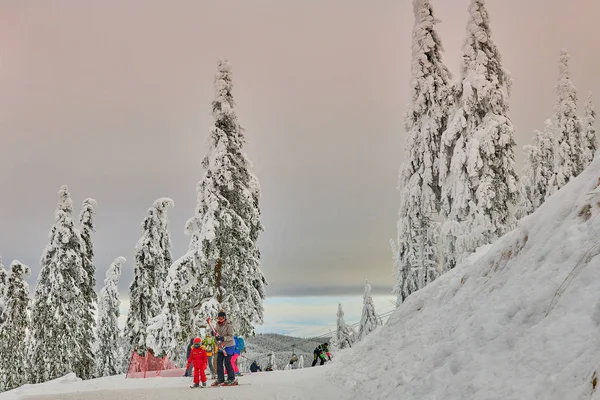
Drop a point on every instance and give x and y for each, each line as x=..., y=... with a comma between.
x=519, y=319
x=308, y=383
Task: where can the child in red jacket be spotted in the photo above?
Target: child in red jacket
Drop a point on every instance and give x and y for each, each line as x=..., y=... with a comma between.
x=199, y=358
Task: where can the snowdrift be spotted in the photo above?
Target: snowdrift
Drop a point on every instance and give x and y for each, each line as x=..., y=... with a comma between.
x=519, y=319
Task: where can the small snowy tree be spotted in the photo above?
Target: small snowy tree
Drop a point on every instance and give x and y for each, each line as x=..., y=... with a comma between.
x=272, y=362
x=12, y=333
x=569, y=155
x=108, y=354
x=301, y=361
x=88, y=288
x=369, y=320
x=55, y=331
x=538, y=171
x=149, y=270
x=590, y=140
x=344, y=333
x=226, y=225
x=3, y=283
x=479, y=183
x=416, y=263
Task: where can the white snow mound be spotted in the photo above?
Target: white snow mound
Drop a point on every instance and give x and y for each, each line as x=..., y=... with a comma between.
x=519, y=319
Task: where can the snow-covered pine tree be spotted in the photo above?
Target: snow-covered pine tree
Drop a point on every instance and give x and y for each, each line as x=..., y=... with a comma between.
x=479, y=183
x=149, y=272
x=538, y=171
x=108, y=354
x=369, y=320
x=272, y=362
x=88, y=288
x=417, y=258
x=301, y=361
x=53, y=342
x=164, y=330
x=344, y=333
x=12, y=333
x=227, y=220
x=568, y=158
x=590, y=140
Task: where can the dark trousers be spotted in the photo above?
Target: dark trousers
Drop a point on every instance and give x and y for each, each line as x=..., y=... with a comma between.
x=222, y=360
x=317, y=356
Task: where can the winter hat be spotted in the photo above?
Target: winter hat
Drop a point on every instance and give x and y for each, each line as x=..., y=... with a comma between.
x=197, y=340
x=221, y=314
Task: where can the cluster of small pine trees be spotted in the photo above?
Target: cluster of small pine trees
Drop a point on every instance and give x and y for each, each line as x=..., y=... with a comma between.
x=345, y=335
x=564, y=148
x=66, y=328
x=459, y=189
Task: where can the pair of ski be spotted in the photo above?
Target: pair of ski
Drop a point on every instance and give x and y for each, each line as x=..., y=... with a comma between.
x=235, y=383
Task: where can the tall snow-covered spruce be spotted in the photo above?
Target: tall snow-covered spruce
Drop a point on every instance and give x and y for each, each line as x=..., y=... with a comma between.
x=13, y=372
x=569, y=155
x=54, y=347
x=226, y=224
x=590, y=140
x=538, y=171
x=108, y=356
x=152, y=258
x=88, y=288
x=369, y=320
x=344, y=336
x=415, y=254
x=479, y=183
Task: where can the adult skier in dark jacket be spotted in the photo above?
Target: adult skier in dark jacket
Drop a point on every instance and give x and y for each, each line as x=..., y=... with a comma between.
x=188, y=371
x=224, y=338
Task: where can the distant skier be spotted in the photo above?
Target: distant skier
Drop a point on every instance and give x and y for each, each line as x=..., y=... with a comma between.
x=199, y=359
x=188, y=371
x=224, y=338
x=254, y=367
x=209, y=344
x=320, y=352
x=236, y=355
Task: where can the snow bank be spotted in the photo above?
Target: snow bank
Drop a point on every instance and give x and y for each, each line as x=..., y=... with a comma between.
x=519, y=319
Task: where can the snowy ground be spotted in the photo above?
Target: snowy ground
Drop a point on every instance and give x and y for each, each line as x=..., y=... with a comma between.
x=299, y=384
x=520, y=319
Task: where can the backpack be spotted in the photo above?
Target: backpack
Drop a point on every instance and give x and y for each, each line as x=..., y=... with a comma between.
x=241, y=345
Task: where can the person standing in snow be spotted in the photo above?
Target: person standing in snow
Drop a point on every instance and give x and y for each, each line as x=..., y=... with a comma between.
x=210, y=346
x=199, y=359
x=318, y=355
x=188, y=371
x=234, y=358
x=224, y=338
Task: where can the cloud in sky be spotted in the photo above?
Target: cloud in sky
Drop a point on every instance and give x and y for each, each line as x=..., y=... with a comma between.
x=305, y=316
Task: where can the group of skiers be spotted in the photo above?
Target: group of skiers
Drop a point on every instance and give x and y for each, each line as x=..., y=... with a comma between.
x=320, y=352
x=227, y=347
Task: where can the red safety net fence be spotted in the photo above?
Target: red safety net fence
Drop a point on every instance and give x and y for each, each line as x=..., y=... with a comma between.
x=149, y=366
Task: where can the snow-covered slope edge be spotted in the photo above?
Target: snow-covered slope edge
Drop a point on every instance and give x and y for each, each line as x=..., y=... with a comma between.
x=520, y=319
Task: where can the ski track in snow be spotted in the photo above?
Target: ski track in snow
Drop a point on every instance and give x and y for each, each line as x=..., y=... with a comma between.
x=301, y=384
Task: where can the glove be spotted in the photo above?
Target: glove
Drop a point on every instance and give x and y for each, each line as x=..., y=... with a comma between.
x=220, y=339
